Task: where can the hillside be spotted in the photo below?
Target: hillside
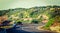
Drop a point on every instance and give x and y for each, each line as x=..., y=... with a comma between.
x=50, y=15
x=34, y=13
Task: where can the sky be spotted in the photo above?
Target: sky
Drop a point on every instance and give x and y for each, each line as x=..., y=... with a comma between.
x=8, y=4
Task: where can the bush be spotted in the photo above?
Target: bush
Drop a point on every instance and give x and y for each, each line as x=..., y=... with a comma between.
x=35, y=21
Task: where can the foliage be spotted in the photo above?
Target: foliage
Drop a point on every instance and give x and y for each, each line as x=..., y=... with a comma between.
x=34, y=12
x=49, y=23
x=35, y=21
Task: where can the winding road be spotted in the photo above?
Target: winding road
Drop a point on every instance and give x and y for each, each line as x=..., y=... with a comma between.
x=31, y=28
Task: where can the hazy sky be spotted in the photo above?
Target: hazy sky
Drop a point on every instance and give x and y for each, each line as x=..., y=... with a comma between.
x=6, y=4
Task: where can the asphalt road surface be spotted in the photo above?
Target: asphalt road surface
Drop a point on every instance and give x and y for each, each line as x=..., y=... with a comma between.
x=27, y=28
x=32, y=28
